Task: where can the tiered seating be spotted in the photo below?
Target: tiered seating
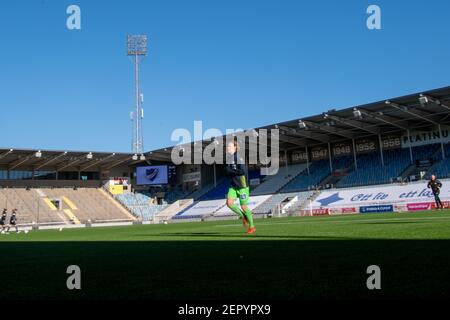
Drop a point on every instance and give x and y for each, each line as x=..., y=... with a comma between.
x=343, y=162
x=34, y=205
x=278, y=198
x=219, y=192
x=197, y=194
x=319, y=170
x=91, y=203
x=302, y=197
x=273, y=201
x=140, y=205
x=427, y=152
x=275, y=182
x=370, y=170
x=440, y=169
x=31, y=208
x=175, y=195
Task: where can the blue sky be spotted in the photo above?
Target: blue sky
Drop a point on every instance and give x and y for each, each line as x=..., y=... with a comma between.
x=231, y=64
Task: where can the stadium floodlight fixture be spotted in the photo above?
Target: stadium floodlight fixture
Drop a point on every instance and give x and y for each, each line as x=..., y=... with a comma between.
x=423, y=100
x=137, y=45
x=142, y=157
x=89, y=156
x=134, y=157
x=301, y=124
x=395, y=105
x=38, y=154
x=325, y=115
x=357, y=113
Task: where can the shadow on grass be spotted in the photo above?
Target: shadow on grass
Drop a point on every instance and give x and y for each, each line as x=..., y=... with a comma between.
x=219, y=235
x=215, y=269
x=395, y=222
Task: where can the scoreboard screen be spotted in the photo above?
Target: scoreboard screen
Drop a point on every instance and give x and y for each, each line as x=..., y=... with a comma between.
x=152, y=175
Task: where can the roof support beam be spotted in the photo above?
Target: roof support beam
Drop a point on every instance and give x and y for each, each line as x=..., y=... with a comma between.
x=294, y=142
x=386, y=119
x=304, y=134
x=71, y=163
x=351, y=123
x=97, y=162
x=343, y=133
x=20, y=161
x=6, y=153
x=414, y=112
x=43, y=164
x=115, y=164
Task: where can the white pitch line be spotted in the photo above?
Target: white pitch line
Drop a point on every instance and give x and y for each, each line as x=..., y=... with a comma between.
x=340, y=221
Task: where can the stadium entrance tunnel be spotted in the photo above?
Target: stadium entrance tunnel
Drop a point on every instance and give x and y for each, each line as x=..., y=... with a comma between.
x=278, y=268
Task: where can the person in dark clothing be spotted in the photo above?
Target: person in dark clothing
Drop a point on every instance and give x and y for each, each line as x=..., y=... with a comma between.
x=13, y=221
x=236, y=172
x=3, y=220
x=436, y=186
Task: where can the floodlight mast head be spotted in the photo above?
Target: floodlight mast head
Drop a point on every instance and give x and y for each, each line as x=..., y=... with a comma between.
x=137, y=45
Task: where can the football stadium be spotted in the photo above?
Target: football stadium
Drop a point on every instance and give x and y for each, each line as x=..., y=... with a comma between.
x=353, y=204
x=351, y=190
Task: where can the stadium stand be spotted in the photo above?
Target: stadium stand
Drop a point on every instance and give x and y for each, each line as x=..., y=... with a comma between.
x=371, y=171
x=276, y=199
x=440, y=169
x=31, y=207
x=303, y=199
x=140, y=205
x=218, y=192
x=274, y=183
x=88, y=204
x=173, y=209
x=318, y=170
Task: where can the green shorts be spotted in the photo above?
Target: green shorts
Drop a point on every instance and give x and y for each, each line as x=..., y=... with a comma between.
x=242, y=194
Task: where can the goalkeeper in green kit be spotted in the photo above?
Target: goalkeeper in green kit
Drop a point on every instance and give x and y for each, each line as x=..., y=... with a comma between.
x=236, y=171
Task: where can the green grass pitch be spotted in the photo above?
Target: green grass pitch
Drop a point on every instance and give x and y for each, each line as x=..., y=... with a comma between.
x=288, y=258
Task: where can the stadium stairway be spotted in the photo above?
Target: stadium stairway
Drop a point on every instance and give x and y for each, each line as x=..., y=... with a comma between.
x=318, y=171
x=275, y=183
x=274, y=201
x=172, y=210
x=118, y=204
x=302, y=203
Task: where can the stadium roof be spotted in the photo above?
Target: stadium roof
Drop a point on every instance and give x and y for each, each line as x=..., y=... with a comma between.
x=18, y=159
x=393, y=116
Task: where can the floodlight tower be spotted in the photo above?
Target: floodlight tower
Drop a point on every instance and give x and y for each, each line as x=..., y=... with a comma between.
x=137, y=49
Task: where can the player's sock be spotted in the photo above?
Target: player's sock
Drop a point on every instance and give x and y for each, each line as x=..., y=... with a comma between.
x=237, y=210
x=249, y=216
